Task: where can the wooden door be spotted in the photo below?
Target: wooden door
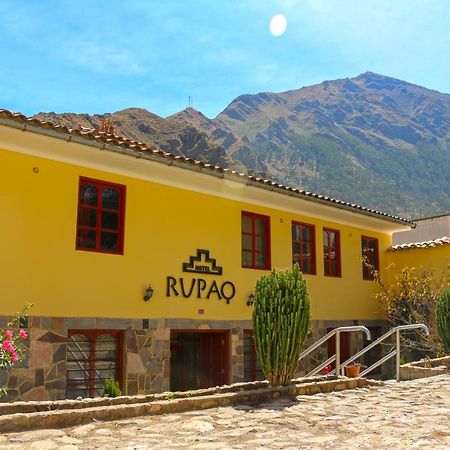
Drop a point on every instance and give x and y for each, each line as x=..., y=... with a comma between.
x=183, y=362
x=213, y=359
x=198, y=360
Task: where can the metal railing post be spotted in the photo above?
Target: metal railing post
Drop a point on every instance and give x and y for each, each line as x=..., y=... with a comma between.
x=337, y=356
x=395, y=352
x=397, y=356
x=338, y=352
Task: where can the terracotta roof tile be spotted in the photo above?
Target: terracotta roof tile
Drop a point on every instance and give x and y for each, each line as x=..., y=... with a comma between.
x=141, y=149
x=425, y=244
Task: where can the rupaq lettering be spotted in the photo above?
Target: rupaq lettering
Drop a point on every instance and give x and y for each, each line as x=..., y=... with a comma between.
x=171, y=283
x=231, y=290
x=187, y=295
x=213, y=289
x=200, y=287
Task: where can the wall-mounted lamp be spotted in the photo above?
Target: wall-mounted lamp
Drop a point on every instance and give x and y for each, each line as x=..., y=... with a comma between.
x=148, y=293
x=251, y=299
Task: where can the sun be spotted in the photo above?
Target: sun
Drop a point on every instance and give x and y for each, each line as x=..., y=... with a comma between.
x=278, y=25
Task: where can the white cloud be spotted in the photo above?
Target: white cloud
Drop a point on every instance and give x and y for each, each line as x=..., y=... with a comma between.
x=103, y=58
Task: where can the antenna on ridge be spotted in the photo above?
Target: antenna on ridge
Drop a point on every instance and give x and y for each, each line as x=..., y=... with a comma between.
x=190, y=102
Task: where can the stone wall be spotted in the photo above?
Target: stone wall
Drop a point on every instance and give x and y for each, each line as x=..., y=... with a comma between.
x=146, y=353
x=42, y=375
x=425, y=368
x=318, y=329
x=237, y=354
x=236, y=329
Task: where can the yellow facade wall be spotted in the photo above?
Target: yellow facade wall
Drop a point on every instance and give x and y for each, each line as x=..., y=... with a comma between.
x=430, y=258
x=164, y=226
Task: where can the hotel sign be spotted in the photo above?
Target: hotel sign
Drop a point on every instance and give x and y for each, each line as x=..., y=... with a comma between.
x=199, y=287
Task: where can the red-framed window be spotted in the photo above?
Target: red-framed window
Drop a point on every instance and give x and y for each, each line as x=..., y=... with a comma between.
x=331, y=252
x=101, y=216
x=93, y=356
x=303, y=247
x=255, y=230
x=252, y=369
x=371, y=260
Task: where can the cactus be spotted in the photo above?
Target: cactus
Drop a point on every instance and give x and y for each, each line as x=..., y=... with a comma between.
x=280, y=323
x=443, y=318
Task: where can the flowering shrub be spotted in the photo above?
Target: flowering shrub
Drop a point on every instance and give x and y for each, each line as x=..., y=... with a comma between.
x=11, y=342
x=411, y=297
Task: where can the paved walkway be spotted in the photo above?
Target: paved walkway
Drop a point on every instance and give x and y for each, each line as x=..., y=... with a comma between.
x=411, y=414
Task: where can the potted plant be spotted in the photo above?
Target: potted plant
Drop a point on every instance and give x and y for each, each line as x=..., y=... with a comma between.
x=352, y=370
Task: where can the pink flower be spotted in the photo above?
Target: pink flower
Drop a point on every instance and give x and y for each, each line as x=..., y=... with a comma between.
x=14, y=357
x=23, y=334
x=8, y=334
x=8, y=346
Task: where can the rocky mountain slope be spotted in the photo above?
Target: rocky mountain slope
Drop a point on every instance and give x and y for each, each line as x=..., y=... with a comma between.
x=143, y=126
x=371, y=139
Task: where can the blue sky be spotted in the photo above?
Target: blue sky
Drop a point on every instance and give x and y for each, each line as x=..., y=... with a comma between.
x=103, y=56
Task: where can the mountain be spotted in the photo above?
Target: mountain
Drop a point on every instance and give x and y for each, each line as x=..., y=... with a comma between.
x=159, y=133
x=372, y=139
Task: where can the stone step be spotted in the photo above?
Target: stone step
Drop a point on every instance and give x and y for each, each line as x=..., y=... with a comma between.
x=98, y=411
x=36, y=406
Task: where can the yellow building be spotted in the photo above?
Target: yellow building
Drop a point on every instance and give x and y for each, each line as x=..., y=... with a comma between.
x=432, y=255
x=140, y=264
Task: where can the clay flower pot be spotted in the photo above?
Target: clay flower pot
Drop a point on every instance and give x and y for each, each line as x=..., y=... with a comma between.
x=352, y=370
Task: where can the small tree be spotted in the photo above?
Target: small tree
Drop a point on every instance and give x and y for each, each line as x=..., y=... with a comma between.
x=280, y=323
x=411, y=297
x=11, y=342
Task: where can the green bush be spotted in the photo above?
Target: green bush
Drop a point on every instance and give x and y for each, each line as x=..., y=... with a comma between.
x=443, y=318
x=280, y=323
x=111, y=388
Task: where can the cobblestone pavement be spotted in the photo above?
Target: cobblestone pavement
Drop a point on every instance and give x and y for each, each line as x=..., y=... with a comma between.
x=411, y=414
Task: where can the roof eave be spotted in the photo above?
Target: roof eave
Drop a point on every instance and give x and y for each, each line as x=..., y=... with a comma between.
x=161, y=157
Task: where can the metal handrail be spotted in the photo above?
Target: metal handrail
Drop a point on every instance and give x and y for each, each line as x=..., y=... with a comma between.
x=337, y=356
x=396, y=352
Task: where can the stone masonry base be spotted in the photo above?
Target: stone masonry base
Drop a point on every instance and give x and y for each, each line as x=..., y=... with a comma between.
x=425, y=368
x=146, y=352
